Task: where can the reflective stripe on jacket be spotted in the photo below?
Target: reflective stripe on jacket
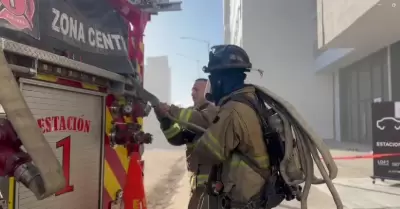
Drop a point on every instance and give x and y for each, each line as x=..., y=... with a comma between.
x=172, y=131
x=234, y=132
x=198, y=180
x=175, y=134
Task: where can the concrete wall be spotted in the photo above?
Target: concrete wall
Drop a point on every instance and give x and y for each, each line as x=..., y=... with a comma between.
x=336, y=16
x=280, y=38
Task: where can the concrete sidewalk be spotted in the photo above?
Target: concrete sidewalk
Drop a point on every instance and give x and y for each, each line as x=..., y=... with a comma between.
x=167, y=183
x=360, y=193
x=348, y=146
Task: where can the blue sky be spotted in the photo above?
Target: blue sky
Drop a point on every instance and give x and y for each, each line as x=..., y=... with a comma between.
x=201, y=19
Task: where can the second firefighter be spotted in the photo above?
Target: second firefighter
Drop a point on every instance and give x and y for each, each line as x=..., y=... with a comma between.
x=202, y=114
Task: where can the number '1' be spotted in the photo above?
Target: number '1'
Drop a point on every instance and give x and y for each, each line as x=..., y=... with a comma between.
x=65, y=144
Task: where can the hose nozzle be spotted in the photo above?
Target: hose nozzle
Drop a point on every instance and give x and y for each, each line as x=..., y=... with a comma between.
x=29, y=175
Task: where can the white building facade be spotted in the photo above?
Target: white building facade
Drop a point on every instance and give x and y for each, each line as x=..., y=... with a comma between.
x=330, y=59
x=157, y=79
x=279, y=37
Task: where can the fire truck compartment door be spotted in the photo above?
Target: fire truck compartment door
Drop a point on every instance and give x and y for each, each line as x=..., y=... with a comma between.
x=71, y=120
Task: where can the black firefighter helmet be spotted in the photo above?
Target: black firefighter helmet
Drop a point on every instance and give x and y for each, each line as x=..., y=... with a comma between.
x=224, y=57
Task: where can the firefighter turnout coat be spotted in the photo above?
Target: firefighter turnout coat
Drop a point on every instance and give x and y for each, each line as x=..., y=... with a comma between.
x=201, y=115
x=234, y=132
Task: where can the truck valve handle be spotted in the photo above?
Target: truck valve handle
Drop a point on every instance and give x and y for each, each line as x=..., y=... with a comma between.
x=131, y=135
x=143, y=138
x=127, y=109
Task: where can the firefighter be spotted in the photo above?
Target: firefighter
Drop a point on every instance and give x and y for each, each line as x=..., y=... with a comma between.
x=234, y=141
x=201, y=114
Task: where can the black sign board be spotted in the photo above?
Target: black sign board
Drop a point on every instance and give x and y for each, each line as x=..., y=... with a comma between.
x=65, y=24
x=386, y=139
x=87, y=31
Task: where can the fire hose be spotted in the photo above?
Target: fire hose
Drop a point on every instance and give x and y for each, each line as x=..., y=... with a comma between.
x=297, y=165
x=309, y=145
x=51, y=178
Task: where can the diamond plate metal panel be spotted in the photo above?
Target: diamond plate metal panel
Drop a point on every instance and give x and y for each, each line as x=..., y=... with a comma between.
x=26, y=50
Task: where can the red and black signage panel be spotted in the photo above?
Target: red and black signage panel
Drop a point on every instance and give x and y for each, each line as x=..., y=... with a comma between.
x=20, y=15
x=88, y=31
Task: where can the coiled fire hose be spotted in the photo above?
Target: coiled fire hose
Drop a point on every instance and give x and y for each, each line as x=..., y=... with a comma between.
x=295, y=132
x=20, y=116
x=309, y=146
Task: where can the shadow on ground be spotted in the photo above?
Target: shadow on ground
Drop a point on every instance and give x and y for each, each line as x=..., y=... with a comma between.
x=161, y=195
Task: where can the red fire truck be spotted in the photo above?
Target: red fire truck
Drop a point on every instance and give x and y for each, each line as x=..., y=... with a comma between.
x=75, y=62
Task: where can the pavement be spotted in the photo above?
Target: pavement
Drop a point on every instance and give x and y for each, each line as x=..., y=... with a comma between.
x=353, y=183
x=167, y=183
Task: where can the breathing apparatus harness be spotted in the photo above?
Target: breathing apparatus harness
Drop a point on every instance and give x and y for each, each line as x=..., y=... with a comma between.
x=275, y=189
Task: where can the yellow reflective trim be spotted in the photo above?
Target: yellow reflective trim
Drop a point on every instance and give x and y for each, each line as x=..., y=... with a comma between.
x=90, y=86
x=193, y=182
x=128, y=119
x=172, y=131
x=262, y=161
x=214, y=140
x=188, y=115
x=198, y=180
x=212, y=149
x=110, y=180
x=182, y=114
x=215, y=148
x=202, y=177
x=185, y=114
x=236, y=161
x=109, y=124
x=122, y=153
x=190, y=145
x=11, y=192
x=49, y=78
x=140, y=121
